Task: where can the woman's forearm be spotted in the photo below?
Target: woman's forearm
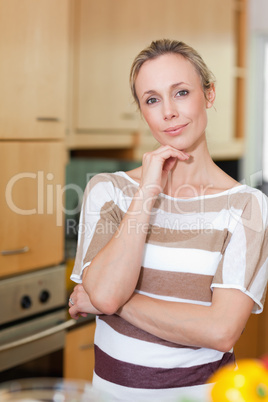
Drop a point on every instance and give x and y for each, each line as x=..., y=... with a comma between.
x=111, y=278
x=175, y=322
x=217, y=326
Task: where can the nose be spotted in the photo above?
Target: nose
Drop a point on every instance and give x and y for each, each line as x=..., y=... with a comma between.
x=169, y=110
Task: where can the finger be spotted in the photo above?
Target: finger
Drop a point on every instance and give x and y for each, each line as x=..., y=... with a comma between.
x=73, y=313
x=174, y=153
x=169, y=164
x=73, y=302
x=166, y=153
x=168, y=147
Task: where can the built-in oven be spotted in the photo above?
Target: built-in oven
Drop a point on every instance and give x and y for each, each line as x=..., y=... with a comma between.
x=33, y=323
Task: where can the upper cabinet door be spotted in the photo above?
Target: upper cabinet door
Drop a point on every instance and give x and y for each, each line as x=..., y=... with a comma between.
x=109, y=34
x=33, y=70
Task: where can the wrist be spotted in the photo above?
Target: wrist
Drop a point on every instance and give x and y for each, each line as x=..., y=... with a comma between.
x=150, y=191
x=142, y=203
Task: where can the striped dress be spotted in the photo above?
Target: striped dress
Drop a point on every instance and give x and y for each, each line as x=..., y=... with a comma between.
x=193, y=245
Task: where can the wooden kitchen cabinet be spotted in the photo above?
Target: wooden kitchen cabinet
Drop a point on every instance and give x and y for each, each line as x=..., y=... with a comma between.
x=253, y=343
x=263, y=328
x=107, y=36
x=79, y=353
x=34, y=41
x=31, y=201
x=248, y=346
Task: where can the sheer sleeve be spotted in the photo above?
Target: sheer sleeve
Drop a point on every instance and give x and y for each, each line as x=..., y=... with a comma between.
x=99, y=219
x=244, y=263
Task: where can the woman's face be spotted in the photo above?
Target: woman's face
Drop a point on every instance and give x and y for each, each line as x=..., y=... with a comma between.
x=172, y=101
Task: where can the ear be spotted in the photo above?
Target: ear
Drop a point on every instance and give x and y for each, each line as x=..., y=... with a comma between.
x=211, y=95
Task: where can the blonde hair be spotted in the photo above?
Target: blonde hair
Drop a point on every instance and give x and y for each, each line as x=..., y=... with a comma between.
x=164, y=46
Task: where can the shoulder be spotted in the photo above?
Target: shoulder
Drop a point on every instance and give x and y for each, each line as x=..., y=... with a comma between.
x=252, y=193
x=253, y=205
x=111, y=183
x=261, y=201
x=246, y=193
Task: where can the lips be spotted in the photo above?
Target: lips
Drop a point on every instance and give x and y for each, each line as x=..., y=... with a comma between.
x=176, y=129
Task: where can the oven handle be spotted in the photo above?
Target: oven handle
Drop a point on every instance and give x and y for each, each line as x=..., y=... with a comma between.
x=42, y=334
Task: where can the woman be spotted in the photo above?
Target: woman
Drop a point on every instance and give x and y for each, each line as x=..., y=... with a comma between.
x=172, y=256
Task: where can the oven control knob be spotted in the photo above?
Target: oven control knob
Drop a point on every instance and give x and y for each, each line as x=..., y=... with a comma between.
x=44, y=296
x=26, y=302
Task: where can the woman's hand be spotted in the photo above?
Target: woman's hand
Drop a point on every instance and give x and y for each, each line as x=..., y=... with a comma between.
x=156, y=166
x=82, y=305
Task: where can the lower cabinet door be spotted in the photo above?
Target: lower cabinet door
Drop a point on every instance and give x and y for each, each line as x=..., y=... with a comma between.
x=247, y=347
x=79, y=353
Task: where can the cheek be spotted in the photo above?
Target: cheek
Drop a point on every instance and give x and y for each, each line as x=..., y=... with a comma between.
x=150, y=116
x=199, y=109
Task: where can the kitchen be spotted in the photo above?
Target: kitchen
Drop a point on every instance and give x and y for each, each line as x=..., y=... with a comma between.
x=59, y=61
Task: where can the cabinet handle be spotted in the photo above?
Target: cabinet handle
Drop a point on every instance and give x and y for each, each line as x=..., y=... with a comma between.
x=88, y=346
x=15, y=251
x=49, y=119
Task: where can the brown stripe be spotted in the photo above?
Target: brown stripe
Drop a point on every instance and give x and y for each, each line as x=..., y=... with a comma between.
x=110, y=218
x=175, y=284
x=136, y=376
x=203, y=239
x=202, y=205
x=125, y=328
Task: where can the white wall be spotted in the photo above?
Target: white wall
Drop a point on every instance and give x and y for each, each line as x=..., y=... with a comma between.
x=257, y=34
x=258, y=12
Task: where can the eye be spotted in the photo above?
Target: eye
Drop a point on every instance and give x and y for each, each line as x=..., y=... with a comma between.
x=151, y=101
x=183, y=92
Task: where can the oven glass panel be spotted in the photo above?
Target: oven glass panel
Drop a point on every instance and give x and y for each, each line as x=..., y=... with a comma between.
x=50, y=365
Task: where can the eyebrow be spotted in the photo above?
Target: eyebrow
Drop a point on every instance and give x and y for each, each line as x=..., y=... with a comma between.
x=152, y=91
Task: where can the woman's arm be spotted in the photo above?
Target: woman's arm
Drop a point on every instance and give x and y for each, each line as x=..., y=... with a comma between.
x=111, y=278
x=218, y=326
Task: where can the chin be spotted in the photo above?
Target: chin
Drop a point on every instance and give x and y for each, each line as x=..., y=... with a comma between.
x=180, y=145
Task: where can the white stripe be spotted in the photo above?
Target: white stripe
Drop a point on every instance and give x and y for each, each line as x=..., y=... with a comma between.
x=259, y=285
x=191, y=222
x=117, y=393
x=234, y=263
x=192, y=261
x=140, y=352
x=78, y=278
x=172, y=299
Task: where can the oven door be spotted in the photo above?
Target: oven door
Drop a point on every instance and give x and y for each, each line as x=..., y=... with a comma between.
x=29, y=340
